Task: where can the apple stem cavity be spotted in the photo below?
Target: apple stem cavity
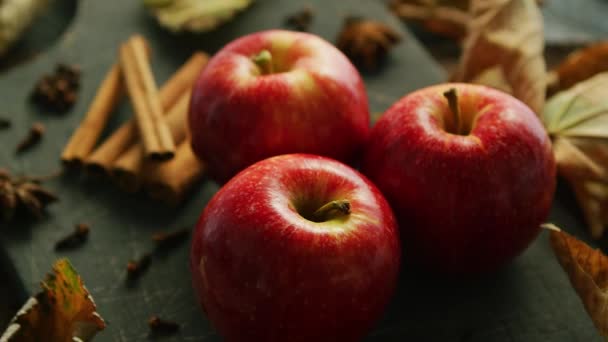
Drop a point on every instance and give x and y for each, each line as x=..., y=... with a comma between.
x=264, y=61
x=332, y=210
x=452, y=97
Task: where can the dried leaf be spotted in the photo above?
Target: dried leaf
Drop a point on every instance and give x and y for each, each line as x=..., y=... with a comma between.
x=507, y=35
x=579, y=66
x=574, y=162
x=63, y=311
x=496, y=77
x=593, y=199
x=16, y=17
x=587, y=269
x=195, y=15
x=577, y=120
x=578, y=164
x=581, y=111
x=444, y=17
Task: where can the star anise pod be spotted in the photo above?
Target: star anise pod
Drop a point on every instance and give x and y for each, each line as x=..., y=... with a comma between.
x=366, y=42
x=22, y=193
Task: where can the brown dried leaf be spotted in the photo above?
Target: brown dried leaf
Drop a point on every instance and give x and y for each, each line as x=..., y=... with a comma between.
x=593, y=199
x=448, y=18
x=579, y=66
x=573, y=162
x=577, y=120
x=444, y=17
x=506, y=35
x=587, y=269
x=496, y=77
x=63, y=311
x=588, y=180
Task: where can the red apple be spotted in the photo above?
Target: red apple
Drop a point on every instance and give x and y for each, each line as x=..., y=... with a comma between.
x=295, y=248
x=469, y=173
x=277, y=92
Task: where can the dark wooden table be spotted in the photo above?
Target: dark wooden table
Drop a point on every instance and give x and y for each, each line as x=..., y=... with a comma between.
x=528, y=300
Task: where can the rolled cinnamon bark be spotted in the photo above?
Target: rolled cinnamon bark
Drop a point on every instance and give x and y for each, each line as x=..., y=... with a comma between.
x=101, y=160
x=128, y=170
x=172, y=180
x=143, y=93
x=85, y=137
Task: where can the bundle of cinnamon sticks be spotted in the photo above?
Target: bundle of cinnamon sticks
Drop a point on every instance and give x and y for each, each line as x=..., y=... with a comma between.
x=152, y=150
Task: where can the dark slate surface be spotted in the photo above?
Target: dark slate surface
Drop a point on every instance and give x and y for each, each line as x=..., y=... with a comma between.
x=529, y=300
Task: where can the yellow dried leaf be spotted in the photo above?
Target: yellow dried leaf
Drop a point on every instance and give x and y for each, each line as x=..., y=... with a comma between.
x=581, y=111
x=506, y=35
x=587, y=269
x=63, y=311
x=573, y=162
x=577, y=120
x=195, y=15
x=579, y=66
x=494, y=77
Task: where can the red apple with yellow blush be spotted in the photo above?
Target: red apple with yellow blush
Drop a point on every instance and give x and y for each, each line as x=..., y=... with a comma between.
x=276, y=92
x=295, y=248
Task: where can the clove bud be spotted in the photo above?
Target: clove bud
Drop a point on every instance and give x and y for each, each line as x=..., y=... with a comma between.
x=74, y=239
x=34, y=136
x=166, y=240
x=136, y=268
x=159, y=325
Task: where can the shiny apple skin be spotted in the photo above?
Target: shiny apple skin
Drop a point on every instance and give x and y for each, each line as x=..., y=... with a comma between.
x=318, y=105
x=465, y=204
x=262, y=272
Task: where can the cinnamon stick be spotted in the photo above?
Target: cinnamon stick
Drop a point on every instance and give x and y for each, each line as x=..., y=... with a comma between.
x=153, y=130
x=128, y=168
x=170, y=181
x=102, y=159
x=85, y=137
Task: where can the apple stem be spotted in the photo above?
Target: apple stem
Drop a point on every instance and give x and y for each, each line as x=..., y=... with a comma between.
x=264, y=61
x=332, y=210
x=452, y=97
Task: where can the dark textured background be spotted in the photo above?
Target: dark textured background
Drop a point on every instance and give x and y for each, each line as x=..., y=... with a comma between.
x=528, y=300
